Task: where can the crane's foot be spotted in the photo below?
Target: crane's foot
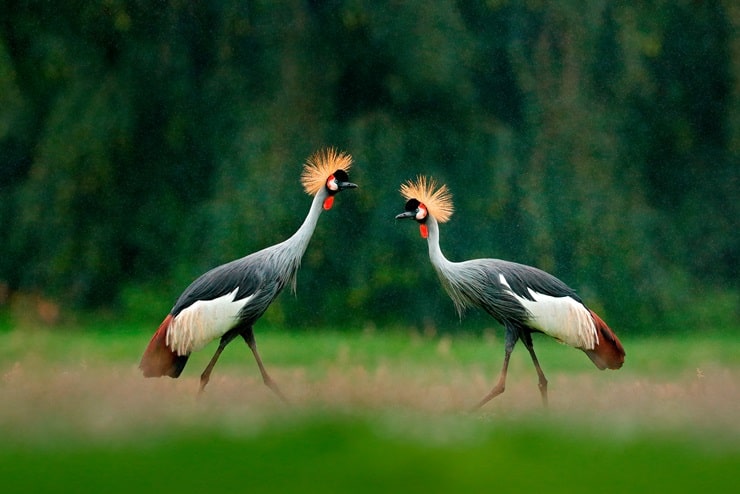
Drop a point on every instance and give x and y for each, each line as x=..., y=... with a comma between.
x=202, y=387
x=543, y=393
x=275, y=389
x=497, y=390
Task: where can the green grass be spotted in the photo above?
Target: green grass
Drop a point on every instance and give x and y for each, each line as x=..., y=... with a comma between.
x=370, y=412
x=341, y=454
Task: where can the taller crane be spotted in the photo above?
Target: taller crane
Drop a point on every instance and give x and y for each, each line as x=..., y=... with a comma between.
x=522, y=298
x=226, y=301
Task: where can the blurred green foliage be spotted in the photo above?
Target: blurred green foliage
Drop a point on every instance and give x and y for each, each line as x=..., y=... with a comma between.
x=144, y=142
x=348, y=454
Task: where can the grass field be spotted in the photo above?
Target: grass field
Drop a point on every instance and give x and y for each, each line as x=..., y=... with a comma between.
x=369, y=412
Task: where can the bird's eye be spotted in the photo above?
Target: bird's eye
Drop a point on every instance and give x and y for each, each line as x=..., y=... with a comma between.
x=331, y=183
x=421, y=212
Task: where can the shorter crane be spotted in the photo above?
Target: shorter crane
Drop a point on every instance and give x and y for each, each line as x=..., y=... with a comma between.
x=523, y=299
x=226, y=301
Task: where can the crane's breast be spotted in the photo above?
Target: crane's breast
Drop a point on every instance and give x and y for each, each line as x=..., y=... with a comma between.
x=203, y=321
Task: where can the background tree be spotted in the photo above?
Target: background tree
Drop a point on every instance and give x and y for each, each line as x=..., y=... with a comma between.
x=142, y=143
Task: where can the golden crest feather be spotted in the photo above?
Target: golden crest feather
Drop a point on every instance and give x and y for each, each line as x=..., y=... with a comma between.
x=319, y=167
x=438, y=200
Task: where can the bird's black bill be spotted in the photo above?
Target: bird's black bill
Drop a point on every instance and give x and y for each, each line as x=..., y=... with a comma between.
x=406, y=214
x=346, y=185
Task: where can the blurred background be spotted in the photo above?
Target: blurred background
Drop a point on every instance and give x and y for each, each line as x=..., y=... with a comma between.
x=142, y=143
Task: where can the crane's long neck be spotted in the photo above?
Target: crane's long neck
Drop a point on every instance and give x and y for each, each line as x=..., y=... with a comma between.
x=447, y=271
x=439, y=261
x=296, y=245
x=455, y=276
x=287, y=255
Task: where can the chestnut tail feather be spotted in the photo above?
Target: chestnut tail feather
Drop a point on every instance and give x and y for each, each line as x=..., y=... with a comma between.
x=158, y=360
x=608, y=352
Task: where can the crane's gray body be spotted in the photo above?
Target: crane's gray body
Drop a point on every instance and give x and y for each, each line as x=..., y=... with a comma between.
x=522, y=298
x=237, y=293
x=496, y=287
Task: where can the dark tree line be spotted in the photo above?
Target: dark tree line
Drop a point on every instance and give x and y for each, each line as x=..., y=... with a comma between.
x=144, y=142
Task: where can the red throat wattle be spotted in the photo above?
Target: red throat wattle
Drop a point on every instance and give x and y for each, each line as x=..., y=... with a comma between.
x=423, y=230
x=328, y=203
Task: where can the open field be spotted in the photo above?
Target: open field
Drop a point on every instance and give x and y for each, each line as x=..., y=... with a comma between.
x=368, y=413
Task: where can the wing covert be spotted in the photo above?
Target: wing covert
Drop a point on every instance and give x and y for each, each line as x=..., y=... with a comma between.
x=221, y=280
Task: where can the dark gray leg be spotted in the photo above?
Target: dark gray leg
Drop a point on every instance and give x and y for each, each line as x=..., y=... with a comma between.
x=511, y=338
x=527, y=340
x=248, y=336
x=225, y=340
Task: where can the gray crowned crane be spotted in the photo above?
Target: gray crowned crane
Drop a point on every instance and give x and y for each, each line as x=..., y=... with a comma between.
x=522, y=298
x=226, y=301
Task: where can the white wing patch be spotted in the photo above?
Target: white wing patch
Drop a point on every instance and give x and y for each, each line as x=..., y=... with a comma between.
x=563, y=318
x=204, y=321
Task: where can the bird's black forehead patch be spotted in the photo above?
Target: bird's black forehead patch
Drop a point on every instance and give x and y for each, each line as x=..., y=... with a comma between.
x=341, y=175
x=412, y=205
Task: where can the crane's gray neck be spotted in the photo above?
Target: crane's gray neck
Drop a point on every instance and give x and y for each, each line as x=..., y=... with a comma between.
x=451, y=274
x=297, y=243
x=287, y=255
x=439, y=261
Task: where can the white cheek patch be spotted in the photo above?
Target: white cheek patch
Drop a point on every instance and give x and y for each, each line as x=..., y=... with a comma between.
x=421, y=213
x=331, y=184
x=563, y=318
x=204, y=321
